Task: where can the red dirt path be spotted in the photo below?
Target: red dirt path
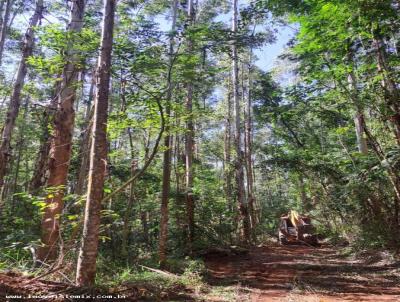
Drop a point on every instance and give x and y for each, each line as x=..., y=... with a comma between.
x=300, y=273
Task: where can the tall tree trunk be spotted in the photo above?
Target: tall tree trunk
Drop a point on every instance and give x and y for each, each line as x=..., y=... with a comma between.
x=39, y=177
x=131, y=200
x=179, y=163
x=189, y=141
x=359, y=121
x=2, y=2
x=86, y=268
x=84, y=149
x=242, y=204
x=61, y=142
x=144, y=219
x=166, y=178
x=15, y=101
x=359, y=124
x=392, y=93
x=128, y=212
x=4, y=27
x=20, y=146
x=227, y=152
x=249, y=151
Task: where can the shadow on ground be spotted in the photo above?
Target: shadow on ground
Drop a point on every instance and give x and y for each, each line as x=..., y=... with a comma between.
x=279, y=270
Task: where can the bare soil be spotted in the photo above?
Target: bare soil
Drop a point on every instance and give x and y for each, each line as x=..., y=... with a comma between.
x=267, y=273
x=301, y=273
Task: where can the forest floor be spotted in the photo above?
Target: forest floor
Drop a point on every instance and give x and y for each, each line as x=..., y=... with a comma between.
x=301, y=273
x=265, y=273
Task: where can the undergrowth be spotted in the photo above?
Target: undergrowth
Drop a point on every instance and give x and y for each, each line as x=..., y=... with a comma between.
x=184, y=276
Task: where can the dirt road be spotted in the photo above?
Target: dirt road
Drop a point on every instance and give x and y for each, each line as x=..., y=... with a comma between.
x=299, y=273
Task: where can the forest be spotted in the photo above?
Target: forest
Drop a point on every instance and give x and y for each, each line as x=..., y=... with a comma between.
x=150, y=150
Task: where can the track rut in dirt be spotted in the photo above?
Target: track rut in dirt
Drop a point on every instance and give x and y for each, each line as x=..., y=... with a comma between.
x=301, y=273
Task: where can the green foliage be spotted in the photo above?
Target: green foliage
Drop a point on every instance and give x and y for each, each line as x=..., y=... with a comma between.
x=305, y=150
x=193, y=274
x=55, y=39
x=312, y=149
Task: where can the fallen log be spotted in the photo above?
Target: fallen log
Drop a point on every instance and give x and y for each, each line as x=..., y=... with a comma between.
x=164, y=273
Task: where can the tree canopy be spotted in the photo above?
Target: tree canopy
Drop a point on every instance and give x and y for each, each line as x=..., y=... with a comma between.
x=137, y=133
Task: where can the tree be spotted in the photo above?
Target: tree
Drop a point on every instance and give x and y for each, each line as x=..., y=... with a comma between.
x=84, y=149
x=15, y=100
x=248, y=150
x=346, y=54
x=86, y=269
x=359, y=117
x=60, y=150
x=239, y=174
x=4, y=25
x=167, y=154
x=189, y=138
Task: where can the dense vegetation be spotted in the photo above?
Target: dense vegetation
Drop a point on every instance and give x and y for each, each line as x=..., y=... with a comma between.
x=152, y=135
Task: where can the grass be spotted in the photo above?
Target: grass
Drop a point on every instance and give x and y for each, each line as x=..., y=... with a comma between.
x=185, y=278
x=228, y=293
x=15, y=258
